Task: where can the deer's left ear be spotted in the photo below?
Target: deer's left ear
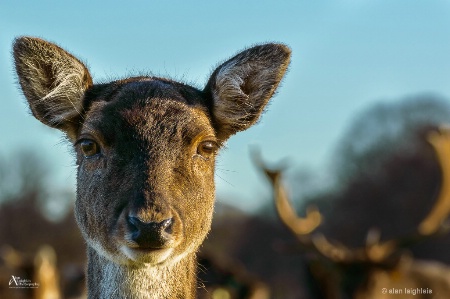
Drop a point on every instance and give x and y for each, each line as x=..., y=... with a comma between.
x=242, y=86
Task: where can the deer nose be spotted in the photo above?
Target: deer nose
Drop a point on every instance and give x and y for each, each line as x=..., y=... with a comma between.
x=150, y=235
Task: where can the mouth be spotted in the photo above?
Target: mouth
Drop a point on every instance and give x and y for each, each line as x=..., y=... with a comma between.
x=147, y=255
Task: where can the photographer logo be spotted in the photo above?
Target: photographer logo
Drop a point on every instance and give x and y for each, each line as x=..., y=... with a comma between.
x=20, y=283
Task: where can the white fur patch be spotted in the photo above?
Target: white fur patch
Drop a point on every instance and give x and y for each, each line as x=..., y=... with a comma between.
x=150, y=258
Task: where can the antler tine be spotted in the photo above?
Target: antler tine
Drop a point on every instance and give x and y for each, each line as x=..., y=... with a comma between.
x=434, y=222
x=298, y=225
x=375, y=250
x=304, y=227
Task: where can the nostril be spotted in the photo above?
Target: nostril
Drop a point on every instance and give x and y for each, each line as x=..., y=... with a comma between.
x=167, y=225
x=133, y=222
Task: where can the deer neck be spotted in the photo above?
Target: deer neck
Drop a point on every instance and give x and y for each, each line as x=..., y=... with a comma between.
x=107, y=279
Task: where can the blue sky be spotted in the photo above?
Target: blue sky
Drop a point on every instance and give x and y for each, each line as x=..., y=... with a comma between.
x=346, y=55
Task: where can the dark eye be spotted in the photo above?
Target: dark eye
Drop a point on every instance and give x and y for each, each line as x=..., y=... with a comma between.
x=207, y=149
x=89, y=148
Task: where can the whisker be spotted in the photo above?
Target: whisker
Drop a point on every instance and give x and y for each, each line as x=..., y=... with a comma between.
x=225, y=180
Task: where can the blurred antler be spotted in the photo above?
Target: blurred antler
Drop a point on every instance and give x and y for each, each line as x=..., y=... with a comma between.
x=435, y=221
x=287, y=214
x=374, y=251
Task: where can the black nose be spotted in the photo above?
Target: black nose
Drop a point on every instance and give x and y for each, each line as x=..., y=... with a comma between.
x=150, y=235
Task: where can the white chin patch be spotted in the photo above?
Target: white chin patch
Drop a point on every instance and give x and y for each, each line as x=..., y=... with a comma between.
x=146, y=257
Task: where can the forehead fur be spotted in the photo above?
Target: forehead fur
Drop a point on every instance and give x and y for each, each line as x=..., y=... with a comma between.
x=142, y=104
x=143, y=87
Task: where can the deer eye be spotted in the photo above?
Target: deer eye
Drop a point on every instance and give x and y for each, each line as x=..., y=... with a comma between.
x=89, y=147
x=207, y=149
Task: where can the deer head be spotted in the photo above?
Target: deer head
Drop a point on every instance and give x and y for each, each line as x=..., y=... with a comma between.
x=146, y=146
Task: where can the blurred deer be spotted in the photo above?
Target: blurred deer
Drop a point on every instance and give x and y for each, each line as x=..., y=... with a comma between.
x=389, y=272
x=146, y=150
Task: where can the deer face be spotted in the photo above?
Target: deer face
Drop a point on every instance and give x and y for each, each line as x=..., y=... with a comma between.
x=146, y=146
x=145, y=170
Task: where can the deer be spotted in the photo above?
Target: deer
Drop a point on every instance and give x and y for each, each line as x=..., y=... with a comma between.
x=390, y=271
x=145, y=151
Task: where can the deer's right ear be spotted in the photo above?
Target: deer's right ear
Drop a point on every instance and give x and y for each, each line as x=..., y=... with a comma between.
x=53, y=81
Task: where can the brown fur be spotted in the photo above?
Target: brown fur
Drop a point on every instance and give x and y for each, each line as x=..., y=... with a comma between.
x=145, y=151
